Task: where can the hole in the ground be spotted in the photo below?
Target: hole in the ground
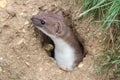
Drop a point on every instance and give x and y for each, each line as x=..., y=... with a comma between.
x=48, y=44
x=71, y=24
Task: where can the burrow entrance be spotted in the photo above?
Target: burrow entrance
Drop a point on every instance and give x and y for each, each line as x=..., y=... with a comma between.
x=48, y=44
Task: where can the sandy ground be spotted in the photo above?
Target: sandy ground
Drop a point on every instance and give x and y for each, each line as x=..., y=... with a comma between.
x=22, y=56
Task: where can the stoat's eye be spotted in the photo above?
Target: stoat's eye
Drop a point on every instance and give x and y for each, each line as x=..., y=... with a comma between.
x=42, y=21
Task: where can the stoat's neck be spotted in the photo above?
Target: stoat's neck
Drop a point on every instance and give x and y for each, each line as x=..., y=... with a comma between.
x=64, y=53
x=59, y=42
x=62, y=42
x=62, y=46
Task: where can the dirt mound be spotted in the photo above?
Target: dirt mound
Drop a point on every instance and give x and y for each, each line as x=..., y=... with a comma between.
x=22, y=56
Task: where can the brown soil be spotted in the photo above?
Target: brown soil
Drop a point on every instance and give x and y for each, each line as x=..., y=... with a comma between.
x=22, y=56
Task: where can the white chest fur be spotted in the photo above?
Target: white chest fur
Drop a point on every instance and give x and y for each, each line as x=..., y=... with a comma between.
x=64, y=54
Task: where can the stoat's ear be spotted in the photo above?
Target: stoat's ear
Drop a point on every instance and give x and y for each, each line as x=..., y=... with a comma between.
x=60, y=14
x=58, y=28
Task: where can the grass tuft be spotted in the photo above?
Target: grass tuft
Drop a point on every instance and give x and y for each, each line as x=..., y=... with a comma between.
x=109, y=64
x=107, y=13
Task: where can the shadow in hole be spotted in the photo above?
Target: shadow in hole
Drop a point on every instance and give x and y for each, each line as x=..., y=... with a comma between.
x=45, y=40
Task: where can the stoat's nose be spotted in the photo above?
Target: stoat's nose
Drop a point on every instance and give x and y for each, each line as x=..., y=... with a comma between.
x=35, y=21
x=32, y=18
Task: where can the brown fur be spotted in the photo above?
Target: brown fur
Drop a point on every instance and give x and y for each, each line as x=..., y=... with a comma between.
x=63, y=31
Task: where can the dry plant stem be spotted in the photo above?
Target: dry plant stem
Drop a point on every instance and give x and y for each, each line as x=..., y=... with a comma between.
x=111, y=37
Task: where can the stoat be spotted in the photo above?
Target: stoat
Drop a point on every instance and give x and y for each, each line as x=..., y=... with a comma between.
x=68, y=51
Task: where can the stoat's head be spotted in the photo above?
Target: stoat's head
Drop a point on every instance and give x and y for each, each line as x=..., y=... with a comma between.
x=49, y=23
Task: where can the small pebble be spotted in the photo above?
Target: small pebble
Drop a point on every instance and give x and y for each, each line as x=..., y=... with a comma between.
x=40, y=69
x=26, y=23
x=11, y=11
x=21, y=41
x=23, y=14
x=23, y=30
x=0, y=69
x=3, y=3
x=99, y=33
x=45, y=8
x=35, y=12
x=88, y=29
x=100, y=41
x=1, y=58
x=80, y=65
x=48, y=47
x=27, y=63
